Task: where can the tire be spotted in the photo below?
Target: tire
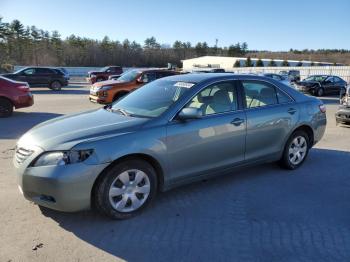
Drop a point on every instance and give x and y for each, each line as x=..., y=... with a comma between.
x=6, y=107
x=56, y=85
x=319, y=91
x=118, y=196
x=288, y=161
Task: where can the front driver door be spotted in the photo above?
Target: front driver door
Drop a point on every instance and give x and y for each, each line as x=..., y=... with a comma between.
x=215, y=141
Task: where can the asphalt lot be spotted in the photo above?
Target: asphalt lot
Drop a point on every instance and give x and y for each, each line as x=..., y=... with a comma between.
x=262, y=213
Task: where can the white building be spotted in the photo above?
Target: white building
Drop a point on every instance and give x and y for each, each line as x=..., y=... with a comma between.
x=227, y=63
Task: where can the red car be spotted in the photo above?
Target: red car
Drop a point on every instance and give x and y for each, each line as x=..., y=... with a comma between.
x=104, y=73
x=13, y=94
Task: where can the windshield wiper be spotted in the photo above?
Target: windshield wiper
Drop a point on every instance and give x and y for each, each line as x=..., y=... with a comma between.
x=119, y=110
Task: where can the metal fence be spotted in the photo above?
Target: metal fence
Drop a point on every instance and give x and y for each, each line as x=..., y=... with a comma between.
x=341, y=71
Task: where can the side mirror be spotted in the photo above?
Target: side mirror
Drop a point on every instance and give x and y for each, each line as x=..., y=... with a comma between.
x=140, y=80
x=190, y=113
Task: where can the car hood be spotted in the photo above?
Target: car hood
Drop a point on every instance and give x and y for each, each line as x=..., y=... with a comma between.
x=63, y=133
x=112, y=82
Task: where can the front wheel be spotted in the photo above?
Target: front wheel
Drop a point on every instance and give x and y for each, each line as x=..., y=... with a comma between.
x=296, y=150
x=125, y=189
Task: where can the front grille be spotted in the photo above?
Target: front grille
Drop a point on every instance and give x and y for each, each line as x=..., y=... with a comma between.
x=22, y=154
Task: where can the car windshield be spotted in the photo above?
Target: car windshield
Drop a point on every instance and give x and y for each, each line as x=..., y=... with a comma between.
x=19, y=70
x=129, y=76
x=316, y=78
x=104, y=69
x=152, y=99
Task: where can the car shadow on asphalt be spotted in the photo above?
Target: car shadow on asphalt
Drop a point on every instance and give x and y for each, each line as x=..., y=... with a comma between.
x=20, y=122
x=216, y=219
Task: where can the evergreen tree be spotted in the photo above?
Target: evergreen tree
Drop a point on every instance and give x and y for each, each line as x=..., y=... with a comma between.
x=237, y=63
x=248, y=62
x=285, y=63
x=272, y=63
x=259, y=63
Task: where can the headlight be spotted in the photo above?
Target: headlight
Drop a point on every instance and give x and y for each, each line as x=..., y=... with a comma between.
x=105, y=88
x=61, y=158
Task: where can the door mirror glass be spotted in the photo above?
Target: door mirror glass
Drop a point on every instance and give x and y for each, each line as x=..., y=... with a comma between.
x=190, y=113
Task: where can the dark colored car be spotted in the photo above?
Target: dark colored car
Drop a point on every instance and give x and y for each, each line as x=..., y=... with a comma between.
x=342, y=116
x=54, y=78
x=104, y=73
x=320, y=85
x=108, y=91
x=292, y=75
x=13, y=94
x=113, y=77
x=65, y=72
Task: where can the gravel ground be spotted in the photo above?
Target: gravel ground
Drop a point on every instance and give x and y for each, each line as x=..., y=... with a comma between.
x=262, y=213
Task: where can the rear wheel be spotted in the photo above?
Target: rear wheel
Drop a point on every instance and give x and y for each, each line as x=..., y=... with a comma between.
x=6, y=107
x=56, y=85
x=296, y=150
x=125, y=189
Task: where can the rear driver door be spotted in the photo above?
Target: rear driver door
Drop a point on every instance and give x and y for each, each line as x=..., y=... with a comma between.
x=271, y=114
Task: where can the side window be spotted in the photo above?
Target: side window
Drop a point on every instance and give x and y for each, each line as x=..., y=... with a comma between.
x=283, y=98
x=29, y=72
x=259, y=94
x=329, y=79
x=148, y=77
x=216, y=98
x=44, y=71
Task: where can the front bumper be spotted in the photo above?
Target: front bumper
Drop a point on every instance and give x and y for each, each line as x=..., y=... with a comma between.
x=64, y=188
x=343, y=115
x=96, y=99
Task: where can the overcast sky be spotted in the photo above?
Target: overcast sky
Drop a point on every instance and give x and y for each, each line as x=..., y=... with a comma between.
x=264, y=25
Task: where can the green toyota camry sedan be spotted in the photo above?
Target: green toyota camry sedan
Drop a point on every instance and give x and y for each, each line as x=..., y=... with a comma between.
x=170, y=132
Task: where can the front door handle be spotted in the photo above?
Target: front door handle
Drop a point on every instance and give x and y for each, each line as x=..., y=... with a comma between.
x=237, y=121
x=291, y=111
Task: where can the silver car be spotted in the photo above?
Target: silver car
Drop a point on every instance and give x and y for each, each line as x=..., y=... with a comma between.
x=170, y=132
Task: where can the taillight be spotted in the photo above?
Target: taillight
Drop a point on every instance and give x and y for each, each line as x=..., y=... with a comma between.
x=322, y=108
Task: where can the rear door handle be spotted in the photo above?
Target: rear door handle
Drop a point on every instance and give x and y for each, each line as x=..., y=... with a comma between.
x=291, y=111
x=237, y=121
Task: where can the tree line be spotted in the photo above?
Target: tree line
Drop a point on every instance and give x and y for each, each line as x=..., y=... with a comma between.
x=29, y=45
